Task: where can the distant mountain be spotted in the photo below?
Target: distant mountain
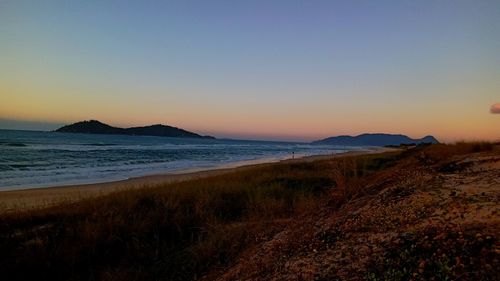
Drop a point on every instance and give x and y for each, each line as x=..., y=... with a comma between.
x=375, y=140
x=96, y=127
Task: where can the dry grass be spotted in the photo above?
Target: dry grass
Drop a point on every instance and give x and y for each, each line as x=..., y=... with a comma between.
x=184, y=230
x=406, y=221
x=178, y=231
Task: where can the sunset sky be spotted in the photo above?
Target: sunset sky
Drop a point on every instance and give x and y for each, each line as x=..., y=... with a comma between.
x=288, y=70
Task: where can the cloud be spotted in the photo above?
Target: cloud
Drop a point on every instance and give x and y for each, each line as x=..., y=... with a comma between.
x=495, y=109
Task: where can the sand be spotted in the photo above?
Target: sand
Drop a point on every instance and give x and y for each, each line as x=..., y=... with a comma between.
x=42, y=197
x=417, y=217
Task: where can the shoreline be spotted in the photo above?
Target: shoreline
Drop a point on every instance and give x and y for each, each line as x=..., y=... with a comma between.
x=184, y=170
x=28, y=198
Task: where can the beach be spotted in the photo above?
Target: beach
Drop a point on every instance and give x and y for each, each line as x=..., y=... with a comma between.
x=249, y=140
x=329, y=216
x=36, y=159
x=47, y=196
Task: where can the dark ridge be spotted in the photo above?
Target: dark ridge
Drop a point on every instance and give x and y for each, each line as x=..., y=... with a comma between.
x=96, y=127
x=375, y=140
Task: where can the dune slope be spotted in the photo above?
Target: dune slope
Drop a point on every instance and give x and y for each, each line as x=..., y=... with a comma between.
x=428, y=219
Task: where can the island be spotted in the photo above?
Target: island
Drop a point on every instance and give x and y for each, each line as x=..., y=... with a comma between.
x=97, y=127
x=376, y=140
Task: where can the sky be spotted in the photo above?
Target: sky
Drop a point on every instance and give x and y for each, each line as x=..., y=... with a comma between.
x=280, y=70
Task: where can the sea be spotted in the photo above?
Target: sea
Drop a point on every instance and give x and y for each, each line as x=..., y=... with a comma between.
x=34, y=159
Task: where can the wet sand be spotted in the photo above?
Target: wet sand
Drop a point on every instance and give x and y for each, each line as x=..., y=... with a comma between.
x=42, y=197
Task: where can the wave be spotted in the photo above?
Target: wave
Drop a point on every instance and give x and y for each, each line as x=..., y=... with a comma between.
x=6, y=168
x=19, y=166
x=14, y=144
x=99, y=144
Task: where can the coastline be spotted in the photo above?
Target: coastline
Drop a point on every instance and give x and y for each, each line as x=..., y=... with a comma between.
x=47, y=196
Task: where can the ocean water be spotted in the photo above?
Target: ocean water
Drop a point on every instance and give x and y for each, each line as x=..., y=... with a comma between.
x=31, y=159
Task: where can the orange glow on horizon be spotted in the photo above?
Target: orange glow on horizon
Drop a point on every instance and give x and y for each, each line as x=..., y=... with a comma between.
x=239, y=74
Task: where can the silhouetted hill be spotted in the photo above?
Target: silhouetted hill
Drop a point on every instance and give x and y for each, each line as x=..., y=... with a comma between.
x=96, y=127
x=375, y=140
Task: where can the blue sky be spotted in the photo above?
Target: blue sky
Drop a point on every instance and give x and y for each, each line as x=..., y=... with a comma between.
x=266, y=69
